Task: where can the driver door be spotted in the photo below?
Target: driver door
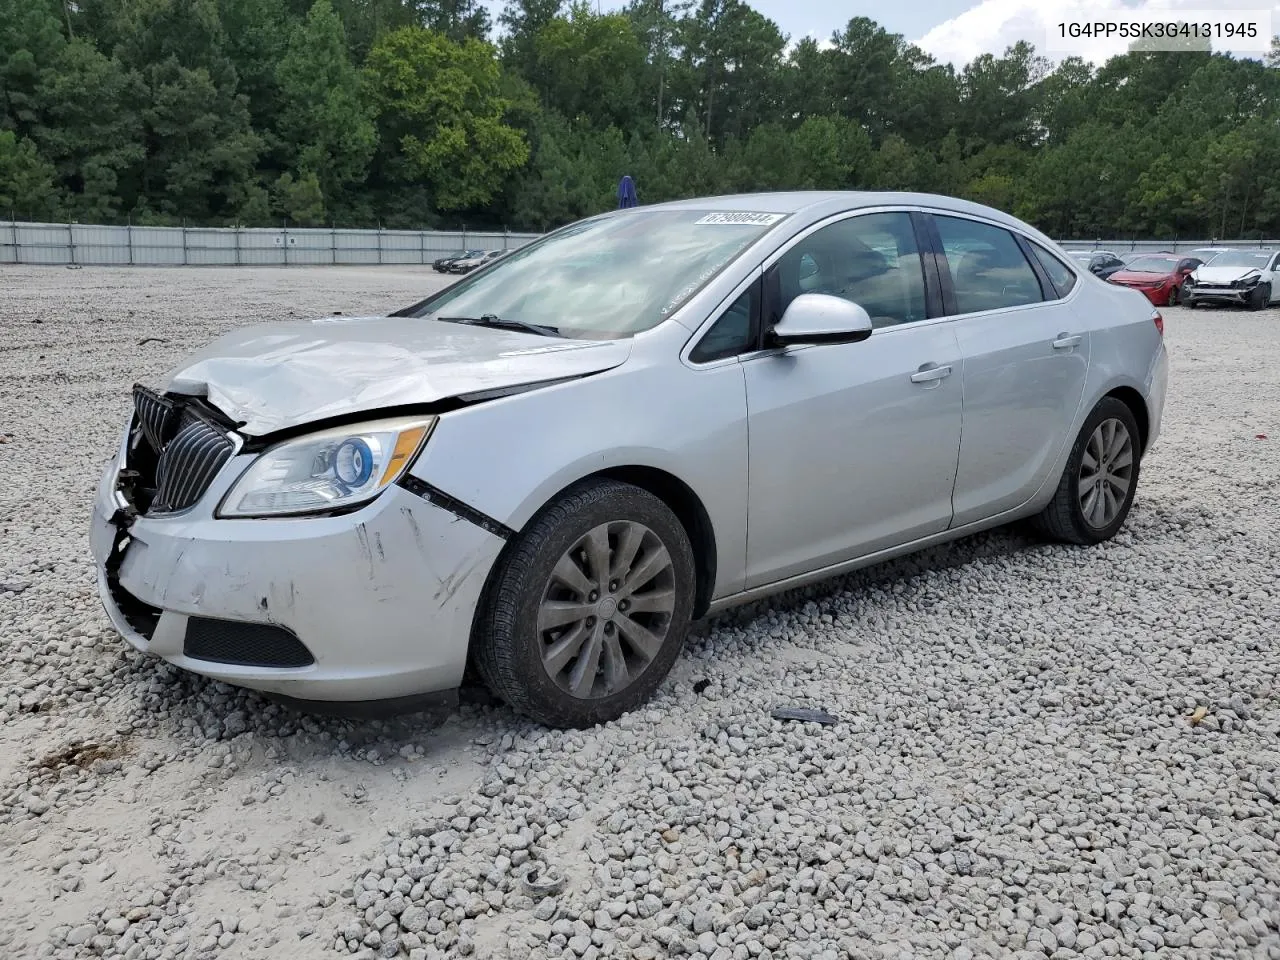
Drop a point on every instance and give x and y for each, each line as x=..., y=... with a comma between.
x=853, y=447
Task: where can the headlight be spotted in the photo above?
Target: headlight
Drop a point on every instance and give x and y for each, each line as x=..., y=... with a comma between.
x=331, y=470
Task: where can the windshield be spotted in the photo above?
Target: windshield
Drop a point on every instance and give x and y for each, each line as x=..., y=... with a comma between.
x=1153, y=264
x=605, y=278
x=1241, y=258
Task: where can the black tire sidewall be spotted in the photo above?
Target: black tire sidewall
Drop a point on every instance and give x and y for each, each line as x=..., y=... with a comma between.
x=1109, y=408
x=522, y=578
x=1260, y=296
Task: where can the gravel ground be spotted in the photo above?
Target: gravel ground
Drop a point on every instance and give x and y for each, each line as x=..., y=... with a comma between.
x=1041, y=751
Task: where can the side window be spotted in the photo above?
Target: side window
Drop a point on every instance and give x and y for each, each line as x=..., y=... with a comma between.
x=1275, y=264
x=871, y=260
x=1063, y=277
x=734, y=332
x=988, y=270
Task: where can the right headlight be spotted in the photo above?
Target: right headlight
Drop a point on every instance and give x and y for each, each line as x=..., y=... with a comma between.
x=330, y=470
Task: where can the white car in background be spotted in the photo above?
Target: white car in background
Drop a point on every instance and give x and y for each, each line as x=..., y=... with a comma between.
x=1247, y=277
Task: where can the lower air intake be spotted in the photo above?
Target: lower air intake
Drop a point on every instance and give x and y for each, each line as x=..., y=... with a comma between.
x=244, y=644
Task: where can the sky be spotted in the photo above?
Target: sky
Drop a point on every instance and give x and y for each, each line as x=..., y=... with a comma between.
x=956, y=31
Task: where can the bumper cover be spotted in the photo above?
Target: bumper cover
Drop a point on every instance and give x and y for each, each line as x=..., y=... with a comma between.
x=1230, y=294
x=383, y=597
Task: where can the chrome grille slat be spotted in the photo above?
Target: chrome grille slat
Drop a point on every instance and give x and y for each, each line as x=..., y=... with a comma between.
x=188, y=464
x=155, y=416
x=201, y=455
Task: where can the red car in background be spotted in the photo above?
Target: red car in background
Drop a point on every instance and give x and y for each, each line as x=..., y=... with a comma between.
x=1158, y=275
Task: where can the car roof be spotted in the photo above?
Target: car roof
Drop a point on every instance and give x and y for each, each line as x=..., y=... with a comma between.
x=823, y=202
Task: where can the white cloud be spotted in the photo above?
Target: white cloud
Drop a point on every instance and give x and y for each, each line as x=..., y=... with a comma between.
x=994, y=25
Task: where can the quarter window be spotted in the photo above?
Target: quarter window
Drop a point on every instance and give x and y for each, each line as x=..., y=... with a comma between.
x=871, y=260
x=733, y=333
x=1063, y=277
x=988, y=270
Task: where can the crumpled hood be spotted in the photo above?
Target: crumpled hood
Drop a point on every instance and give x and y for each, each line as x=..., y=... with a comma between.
x=282, y=375
x=1222, y=274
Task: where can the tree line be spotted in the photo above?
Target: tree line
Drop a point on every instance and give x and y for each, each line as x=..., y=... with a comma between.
x=413, y=113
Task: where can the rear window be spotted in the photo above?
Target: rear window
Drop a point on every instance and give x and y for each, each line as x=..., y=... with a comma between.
x=1153, y=264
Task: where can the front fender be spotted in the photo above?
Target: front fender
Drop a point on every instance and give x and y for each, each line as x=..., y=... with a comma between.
x=509, y=457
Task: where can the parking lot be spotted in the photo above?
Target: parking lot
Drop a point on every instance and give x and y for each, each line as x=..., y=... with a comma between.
x=1041, y=750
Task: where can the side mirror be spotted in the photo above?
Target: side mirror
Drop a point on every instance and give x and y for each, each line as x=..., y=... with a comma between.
x=821, y=318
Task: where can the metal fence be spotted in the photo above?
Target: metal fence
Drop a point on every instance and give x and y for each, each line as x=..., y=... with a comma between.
x=86, y=244
x=1163, y=246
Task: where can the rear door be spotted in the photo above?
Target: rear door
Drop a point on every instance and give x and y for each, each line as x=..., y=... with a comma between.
x=1024, y=359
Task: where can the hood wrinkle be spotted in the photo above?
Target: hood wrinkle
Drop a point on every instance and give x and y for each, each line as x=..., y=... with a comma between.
x=284, y=375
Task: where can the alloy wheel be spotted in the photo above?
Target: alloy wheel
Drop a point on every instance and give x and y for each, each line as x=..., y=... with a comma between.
x=1106, y=473
x=606, y=609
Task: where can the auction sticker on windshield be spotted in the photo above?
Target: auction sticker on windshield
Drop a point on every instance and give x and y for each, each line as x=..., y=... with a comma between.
x=740, y=217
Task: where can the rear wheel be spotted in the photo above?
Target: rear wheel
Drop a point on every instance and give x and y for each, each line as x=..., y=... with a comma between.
x=589, y=607
x=1101, y=476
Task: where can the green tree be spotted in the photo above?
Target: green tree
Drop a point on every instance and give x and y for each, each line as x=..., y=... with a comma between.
x=729, y=76
x=26, y=180
x=440, y=116
x=300, y=200
x=591, y=66
x=95, y=143
x=30, y=42
x=457, y=19
x=327, y=127
x=201, y=148
x=255, y=35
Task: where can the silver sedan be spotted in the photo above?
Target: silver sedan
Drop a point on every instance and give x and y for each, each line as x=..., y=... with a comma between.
x=545, y=472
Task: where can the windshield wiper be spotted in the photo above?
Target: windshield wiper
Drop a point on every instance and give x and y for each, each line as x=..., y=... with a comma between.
x=493, y=320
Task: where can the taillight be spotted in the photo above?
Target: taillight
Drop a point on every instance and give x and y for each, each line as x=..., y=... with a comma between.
x=1158, y=321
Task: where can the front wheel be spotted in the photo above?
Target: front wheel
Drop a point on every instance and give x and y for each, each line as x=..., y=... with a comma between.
x=589, y=607
x=1098, y=485
x=1260, y=296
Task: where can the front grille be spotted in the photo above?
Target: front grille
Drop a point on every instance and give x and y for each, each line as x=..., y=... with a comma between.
x=188, y=464
x=244, y=644
x=175, y=452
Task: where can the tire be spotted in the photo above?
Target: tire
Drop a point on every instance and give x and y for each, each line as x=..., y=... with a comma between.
x=633, y=652
x=1260, y=296
x=1065, y=516
x=1174, y=296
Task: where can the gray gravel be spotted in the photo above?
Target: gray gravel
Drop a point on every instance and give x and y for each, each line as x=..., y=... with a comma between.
x=1040, y=751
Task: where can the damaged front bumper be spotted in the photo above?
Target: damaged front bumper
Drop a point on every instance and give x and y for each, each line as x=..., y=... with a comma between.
x=1219, y=294
x=372, y=605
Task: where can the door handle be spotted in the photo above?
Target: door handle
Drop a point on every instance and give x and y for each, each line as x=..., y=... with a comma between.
x=1066, y=341
x=930, y=373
